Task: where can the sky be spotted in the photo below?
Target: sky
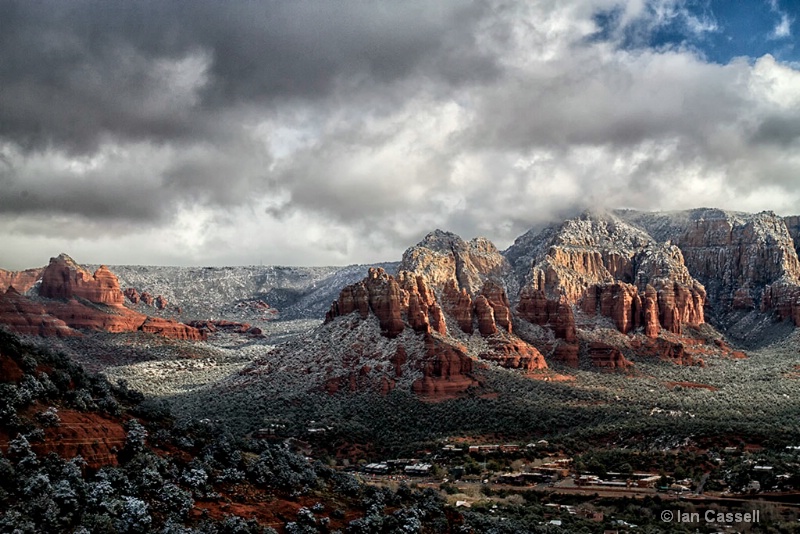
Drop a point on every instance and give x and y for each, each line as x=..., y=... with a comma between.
x=172, y=132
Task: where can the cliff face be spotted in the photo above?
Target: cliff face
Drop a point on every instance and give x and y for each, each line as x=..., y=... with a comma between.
x=30, y=318
x=746, y=262
x=22, y=281
x=407, y=301
x=65, y=279
x=602, y=265
x=443, y=256
x=406, y=310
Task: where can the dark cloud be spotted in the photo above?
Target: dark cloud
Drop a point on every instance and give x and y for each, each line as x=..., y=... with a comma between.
x=782, y=130
x=74, y=72
x=330, y=132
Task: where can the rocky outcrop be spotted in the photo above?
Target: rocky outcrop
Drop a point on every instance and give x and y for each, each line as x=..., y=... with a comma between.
x=161, y=303
x=650, y=320
x=567, y=353
x=485, y=315
x=676, y=352
x=446, y=370
x=22, y=281
x=26, y=317
x=744, y=261
x=408, y=304
x=619, y=301
x=212, y=326
x=94, y=437
x=603, y=265
x=378, y=293
x=793, y=227
x=147, y=298
x=132, y=295
x=458, y=304
x=497, y=300
x=65, y=279
x=443, y=256
x=72, y=298
x=607, y=356
x=536, y=308
x=171, y=329
x=514, y=354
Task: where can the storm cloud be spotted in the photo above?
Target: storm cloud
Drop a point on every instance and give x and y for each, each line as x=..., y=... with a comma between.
x=316, y=132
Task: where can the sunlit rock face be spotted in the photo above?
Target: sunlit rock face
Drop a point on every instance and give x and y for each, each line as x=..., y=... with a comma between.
x=65, y=279
x=71, y=298
x=602, y=265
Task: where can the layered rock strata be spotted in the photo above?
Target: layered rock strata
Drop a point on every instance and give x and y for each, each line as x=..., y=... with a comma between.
x=65, y=279
x=602, y=265
x=442, y=257
x=408, y=303
x=746, y=262
x=73, y=298
x=22, y=281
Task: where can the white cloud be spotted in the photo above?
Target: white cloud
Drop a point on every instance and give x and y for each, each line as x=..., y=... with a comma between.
x=362, y=166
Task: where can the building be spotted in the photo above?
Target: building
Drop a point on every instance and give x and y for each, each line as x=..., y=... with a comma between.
x=418, y=470
x=376, y=469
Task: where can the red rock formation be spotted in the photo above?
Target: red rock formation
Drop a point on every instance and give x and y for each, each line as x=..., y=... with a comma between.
x=211, y=326
x=161, y=302
x=384, y=301
x=78, y=315
x=398, y=360
x=147, y=298
x=536, y=308
x=418, y=304
x=22, y=281
x=378, y=293
x=92, y=436
x=670, y=351
x=65, y=279
x=26, y=317
x=172, y=329
x=498, y=300
x=566, y=353
x=533, y=306
x=679, y=305
x=446, y=370
x=621, y=302
x=132, y=295
x=443, y=256
x=650, y=312
x=564, y=323
x=458, y=304
x=514, y=354
x=485, y=315
x=783, y=298
x=607, y=356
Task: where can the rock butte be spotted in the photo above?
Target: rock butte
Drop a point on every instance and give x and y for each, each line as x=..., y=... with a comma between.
x=68, y=287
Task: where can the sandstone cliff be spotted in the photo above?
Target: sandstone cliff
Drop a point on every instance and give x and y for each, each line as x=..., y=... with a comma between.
x=65, y=279
x=602, y=265
x=22, y=281
x=746, y=262
x=24, y=316
x=72, y=298
x=444, y=256
x=408, y=301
